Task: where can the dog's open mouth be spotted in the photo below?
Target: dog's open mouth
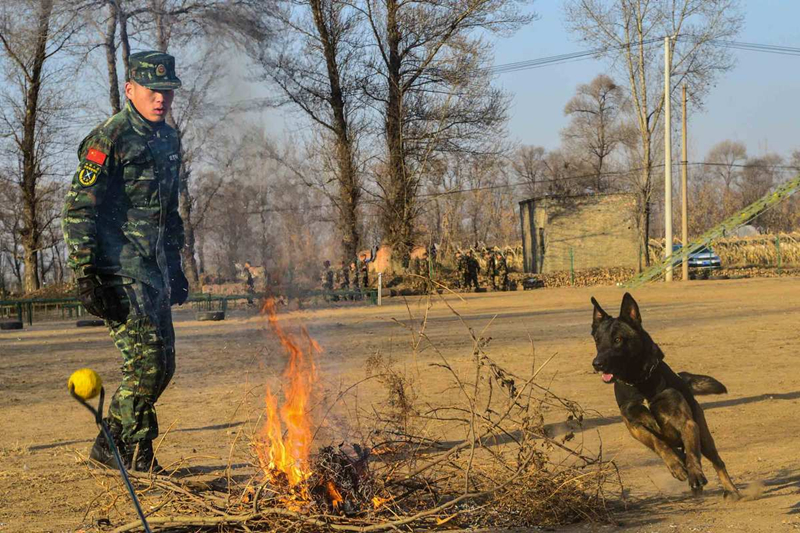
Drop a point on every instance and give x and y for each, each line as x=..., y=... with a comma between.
x=608, y=378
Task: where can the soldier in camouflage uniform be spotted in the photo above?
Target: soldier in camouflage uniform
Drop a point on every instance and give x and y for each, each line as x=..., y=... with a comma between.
x=461, y=269
x=355, y=281
x=326, y=277
x=124, y=236
x=502, y=270
x=491, y=268
x=473, y=269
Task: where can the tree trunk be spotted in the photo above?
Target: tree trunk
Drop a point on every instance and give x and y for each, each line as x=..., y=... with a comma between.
x=158, y=8
x=349, y=186
x=350, y=194
x=31, y=171
x=59, y=264
x=110, y=45
x=185, y=208
x=123, y=38
x=201, y=258
x=398, y=223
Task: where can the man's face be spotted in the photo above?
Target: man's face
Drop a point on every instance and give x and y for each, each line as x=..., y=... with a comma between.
x=152, y=104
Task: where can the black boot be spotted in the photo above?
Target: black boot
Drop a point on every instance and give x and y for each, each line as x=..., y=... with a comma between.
x=101, y=451
x=144, y=460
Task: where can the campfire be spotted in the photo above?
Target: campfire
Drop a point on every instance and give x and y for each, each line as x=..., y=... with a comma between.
x=332, y=480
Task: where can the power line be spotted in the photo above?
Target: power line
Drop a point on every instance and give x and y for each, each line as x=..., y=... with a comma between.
x=586, y=54
x=563, y=58
x=745, y=165
x=758, y=47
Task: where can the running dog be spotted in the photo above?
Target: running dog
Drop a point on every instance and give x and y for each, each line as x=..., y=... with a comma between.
x=657, y=405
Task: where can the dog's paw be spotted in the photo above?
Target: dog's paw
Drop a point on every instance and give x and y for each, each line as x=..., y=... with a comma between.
x=678, y=471
x=697, y=480
x=731, y=496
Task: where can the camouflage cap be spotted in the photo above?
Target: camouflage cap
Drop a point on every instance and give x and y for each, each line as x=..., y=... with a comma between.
x=154, y=70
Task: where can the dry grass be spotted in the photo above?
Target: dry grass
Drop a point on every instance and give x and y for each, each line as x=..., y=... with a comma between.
x=760, y=250
x=755, y=251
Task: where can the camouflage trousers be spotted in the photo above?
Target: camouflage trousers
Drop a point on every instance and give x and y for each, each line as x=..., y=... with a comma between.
x=147, y=343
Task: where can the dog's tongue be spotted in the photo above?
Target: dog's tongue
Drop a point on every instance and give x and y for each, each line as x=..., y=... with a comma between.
x=608, y=377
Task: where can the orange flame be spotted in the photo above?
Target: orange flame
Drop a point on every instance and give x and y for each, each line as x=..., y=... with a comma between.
x=334, y=495
x=289, y=455
x=377, y=501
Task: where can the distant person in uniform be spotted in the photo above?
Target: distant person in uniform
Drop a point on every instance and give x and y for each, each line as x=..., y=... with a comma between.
x=473, y=269
x=355, y=282
x=502, y=270
x=250, y=284
x=491, y=268
x=343, y=278
x=124, y=238
x=461, y=270
x=326, y=277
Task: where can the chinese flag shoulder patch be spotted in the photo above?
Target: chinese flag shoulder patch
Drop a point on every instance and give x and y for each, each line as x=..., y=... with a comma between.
x=96, y=156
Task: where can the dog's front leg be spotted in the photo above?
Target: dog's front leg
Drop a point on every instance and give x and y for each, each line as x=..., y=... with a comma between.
x=675, y=419
x=644, y=428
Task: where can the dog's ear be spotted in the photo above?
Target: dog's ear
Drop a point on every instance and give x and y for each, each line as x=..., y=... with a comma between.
x=630, y=310
x=598, y=315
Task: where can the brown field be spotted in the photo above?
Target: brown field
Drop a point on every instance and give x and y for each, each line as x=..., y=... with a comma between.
x=743, y=332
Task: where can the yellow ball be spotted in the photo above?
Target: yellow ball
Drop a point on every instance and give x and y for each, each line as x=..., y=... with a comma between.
x=86, y=383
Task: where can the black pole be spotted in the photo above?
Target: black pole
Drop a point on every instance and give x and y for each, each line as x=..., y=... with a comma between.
x=98, y=418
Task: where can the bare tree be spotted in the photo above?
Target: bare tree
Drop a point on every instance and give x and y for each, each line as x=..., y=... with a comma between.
x=631, y=34
x=724, y=160
x=265, y=213
x=432, y=88
x=529, y=166
x=594, y=131
x=32, y=32
x=759, y=176
x=795, y=162
x=316, y=62
x=469, y=200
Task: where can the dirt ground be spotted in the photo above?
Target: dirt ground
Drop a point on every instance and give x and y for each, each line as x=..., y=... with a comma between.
x=743, y=332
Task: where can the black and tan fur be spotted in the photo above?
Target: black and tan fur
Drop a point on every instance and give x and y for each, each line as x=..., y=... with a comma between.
x=657, y=405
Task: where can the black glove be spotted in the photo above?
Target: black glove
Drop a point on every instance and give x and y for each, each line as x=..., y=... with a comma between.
x=179, y=288
x=101, y=301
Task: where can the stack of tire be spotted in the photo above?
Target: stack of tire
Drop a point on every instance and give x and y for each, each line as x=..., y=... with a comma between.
x=8, y=325
x=211, y=316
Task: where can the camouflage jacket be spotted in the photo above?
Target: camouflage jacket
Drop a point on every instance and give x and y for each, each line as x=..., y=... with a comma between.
x=121, y=212
x=502, y=266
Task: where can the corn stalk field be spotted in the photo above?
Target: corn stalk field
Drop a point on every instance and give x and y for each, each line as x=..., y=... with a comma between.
x=757, y=250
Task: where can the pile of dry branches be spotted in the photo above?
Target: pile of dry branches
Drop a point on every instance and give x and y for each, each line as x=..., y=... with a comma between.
x=478, y=452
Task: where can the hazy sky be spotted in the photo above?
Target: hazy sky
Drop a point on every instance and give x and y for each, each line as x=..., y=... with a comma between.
x=756, y=103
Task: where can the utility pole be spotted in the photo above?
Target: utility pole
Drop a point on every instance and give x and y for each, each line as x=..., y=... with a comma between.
x=684, y=193
x=667, y=160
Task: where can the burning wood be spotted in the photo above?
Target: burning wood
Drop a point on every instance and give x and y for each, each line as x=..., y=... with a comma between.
x=342, y=484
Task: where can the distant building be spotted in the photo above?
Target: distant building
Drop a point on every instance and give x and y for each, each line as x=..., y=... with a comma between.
x=580, y=232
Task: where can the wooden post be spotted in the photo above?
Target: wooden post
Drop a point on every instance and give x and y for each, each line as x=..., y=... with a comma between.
x=571, y=266
x=684, y=193
x=667, y=160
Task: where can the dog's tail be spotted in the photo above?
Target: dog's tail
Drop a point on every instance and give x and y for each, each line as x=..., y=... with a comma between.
x=700, y=384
